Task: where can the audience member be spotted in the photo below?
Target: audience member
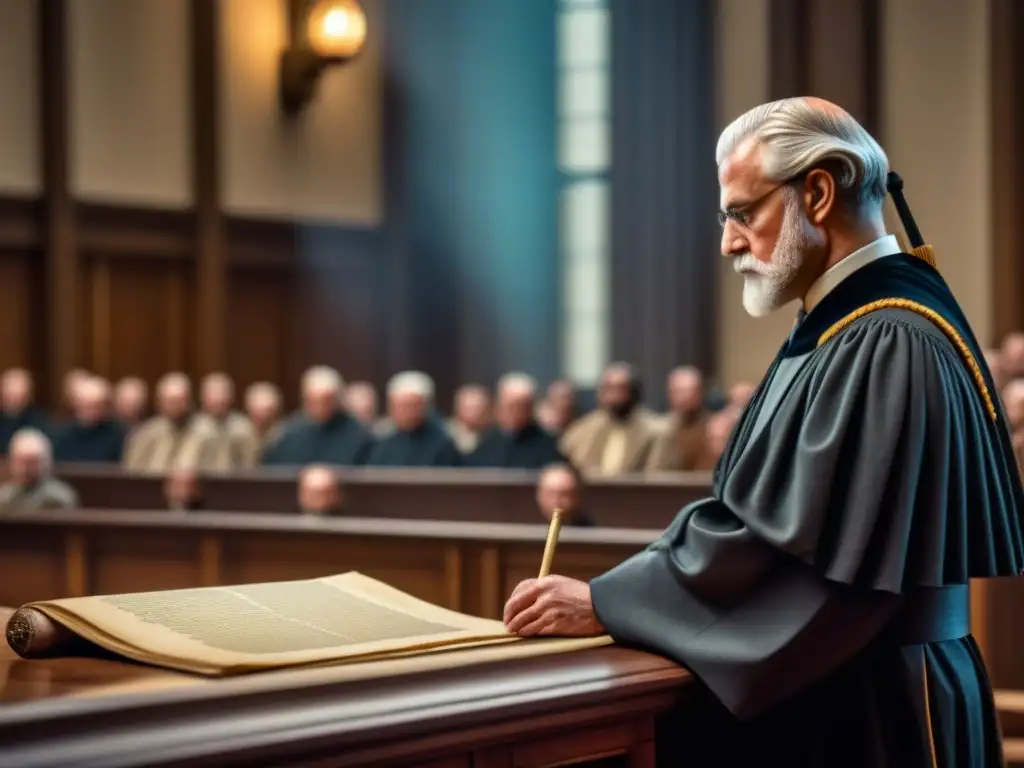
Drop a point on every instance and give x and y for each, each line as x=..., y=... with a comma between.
x=326, y=434
x=91, y=435
x=740, y=394
x=559, y=486
x=263, y=407
x=183, y=490
x=716, y=437
x=31, y=484
x=472, y=417
x=517, y=441
x=618, y=437
x=361, y=403
x=320, y=491
x=73, y=381
x=167, y=440
x=1013, y=404
x=417, y=439
x=1011, y=355
x=232, y=438
x=558, y=410
x=682, y=435
x=131, y=402
x=16, y=399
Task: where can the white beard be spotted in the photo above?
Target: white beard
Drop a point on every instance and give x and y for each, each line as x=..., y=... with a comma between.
x=766, y=287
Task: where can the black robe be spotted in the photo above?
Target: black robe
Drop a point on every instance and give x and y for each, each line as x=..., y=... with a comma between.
x=341, y=440
x=530, y=448
x=428, y=446
x=29, y=418
x=101, y=442
x=867, y=477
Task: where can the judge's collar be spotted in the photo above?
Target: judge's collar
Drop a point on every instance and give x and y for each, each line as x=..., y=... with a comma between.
x=887, y=245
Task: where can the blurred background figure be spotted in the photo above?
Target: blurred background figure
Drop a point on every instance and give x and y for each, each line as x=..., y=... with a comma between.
x=1013, y=404
x=183, y=490
x=31, y=484
x=517, y=441
x=417, y=439
x=618, y=437
x=362, y=404
x=326, y=433
x=719, y=428
x=472, y=417
x=73, y=381
x=320, y=491
x=131, y=402
x=92, y=435
x=19, y=410
x=740, y=394
x=167, y=440
x=682, y=432
x=229, y=436
x=559, y=486
x=263, y=407
x=558, y=409
x=1011, y=356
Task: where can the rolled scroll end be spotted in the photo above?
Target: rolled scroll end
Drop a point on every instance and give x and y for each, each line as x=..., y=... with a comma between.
x=32, y=634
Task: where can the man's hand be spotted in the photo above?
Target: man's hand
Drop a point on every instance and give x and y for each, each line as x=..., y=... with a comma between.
x=554, y=605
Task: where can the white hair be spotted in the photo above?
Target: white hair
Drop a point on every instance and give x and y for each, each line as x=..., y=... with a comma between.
x=412, y=382
x=32, y=440
x=262, y=392
x=175, y=380
x=322, y=378
x=517, y=382
x=800, y=134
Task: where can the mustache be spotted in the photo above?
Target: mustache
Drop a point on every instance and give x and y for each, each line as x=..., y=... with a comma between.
x=745, y=262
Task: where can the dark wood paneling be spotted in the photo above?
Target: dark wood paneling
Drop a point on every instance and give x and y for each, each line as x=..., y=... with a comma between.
x=1007, y=166
x=21, y=321
x=664, y=192
x=261, y=320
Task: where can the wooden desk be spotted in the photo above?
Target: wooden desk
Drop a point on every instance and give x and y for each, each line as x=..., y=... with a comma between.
x=502, y=496
x=470, y=567
x=451, y=711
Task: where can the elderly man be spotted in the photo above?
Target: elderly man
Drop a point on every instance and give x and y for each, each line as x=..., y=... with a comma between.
x=517, y=441
x=821, y=593
x=91, y=435
x=167, y=440
x=417, y=440
x=320, y=491
x=325, y=434
x=559, y=486
x=183, y=490
x=263, y=407
x=472, y=417
x=16, y=393
x=558, y=410
x=31, y=486
x=681, y=442
x=617, y=438
x=361, y=403
x=232, y=438
x=131, y=399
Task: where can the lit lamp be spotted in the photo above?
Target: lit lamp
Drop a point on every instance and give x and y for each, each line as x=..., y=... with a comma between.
x=323, y=33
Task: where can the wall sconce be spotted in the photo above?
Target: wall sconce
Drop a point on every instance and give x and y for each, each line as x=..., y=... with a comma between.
x=323, y=33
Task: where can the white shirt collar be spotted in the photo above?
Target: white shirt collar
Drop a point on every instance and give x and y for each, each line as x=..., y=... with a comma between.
x=887, y=245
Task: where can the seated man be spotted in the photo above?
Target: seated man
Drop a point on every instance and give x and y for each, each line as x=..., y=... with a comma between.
x=518, y=441
x=263, y=407
x=325, y=433
x=18, y=412
x=417, y=440
x=167, y=440
x=131, y=399
x=91, y=435
x=182, y=490
x=680, y=445
x=559, y=486
x=472, y=417
x=232, y=438
x=31, y=485
x=320, y=491
x=361, y=404
x=617, y=438
x=558, y=409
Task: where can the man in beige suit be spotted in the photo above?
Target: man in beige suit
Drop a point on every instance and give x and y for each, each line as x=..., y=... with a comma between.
x=681, y=442
x=263, y=407
x=617, y=438
x=167, y=440
x=131, y=399
x=233, y=443
x=31, y=485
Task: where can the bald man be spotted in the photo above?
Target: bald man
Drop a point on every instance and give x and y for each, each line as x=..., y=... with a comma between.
x=31, y=485
x=92, y=435
x=617, y=438
x=17, y=410
x=320, y=491
x=473, y=417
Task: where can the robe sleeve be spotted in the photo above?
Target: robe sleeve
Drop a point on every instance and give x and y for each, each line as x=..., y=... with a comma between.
x=881, y=467
x=754, y=625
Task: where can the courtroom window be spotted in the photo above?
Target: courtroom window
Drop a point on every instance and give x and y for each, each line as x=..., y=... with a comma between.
x=584, y=159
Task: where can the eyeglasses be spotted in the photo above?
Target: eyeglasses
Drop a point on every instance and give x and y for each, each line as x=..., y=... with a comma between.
x=743, y=214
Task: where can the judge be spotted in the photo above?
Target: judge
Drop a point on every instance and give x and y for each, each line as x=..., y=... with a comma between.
x=417, y=439
x=517, y=441
x=821, y=593
x=324, y=433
